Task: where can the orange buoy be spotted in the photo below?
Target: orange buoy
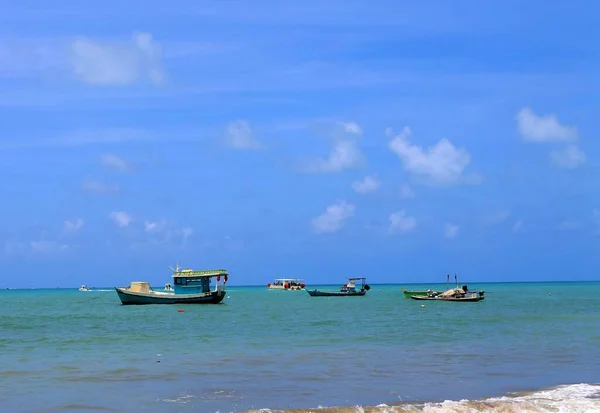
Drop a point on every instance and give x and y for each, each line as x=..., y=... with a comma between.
x=180, y=311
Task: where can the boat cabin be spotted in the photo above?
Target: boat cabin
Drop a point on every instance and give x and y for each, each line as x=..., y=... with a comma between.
x=351, y=285
x=196, y=282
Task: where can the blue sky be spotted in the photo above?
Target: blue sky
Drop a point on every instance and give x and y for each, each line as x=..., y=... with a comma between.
x=398, y=140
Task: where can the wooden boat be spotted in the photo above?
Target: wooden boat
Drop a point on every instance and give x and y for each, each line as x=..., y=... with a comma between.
x=455, y=294
x=422, y=293
x=348, y=289
x=287, y=284
x=190, y=287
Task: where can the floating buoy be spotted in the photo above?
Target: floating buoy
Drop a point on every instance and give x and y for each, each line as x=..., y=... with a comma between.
x=549, y=293
x=180, y=311
x=422, y=305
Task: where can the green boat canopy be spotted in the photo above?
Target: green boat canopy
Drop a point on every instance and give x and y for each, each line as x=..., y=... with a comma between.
x=201, y=273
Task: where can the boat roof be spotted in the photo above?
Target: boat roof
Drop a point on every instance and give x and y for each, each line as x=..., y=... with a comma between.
x=201, y=273
x=289, y=279
x=357, y=278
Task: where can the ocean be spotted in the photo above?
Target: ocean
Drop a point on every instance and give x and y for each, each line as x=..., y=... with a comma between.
x=529, y=347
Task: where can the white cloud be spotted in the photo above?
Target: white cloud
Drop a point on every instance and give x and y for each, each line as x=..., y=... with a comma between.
x=367, y=185
x=451, y=230
x=352, y=127
x=570, y=157
x=441, y=163
x=333, y=218
x=186, y=232
x=474, y=179
x=38, y=248
x=496, y=218
x=345, y=155
x=74, y=225
x=239, y=135
x=99, y=188
x=155, y=226
x=568, y=225
x=115, y=162
x=517, y=226
x=543, y=128
x=48, y=247
x=117, y=63
x=400, y=222
x=155, y=235
x=406, y=192
x=120, y=218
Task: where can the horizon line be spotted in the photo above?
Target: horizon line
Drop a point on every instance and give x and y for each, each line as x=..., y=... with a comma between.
x=330, y=284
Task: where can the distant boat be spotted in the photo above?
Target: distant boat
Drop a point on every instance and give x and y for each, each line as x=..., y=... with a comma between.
x=410, y=293
x=287, y=284
x=454, y=294
x=348, y=289
x=84, y=288
x=190, y=287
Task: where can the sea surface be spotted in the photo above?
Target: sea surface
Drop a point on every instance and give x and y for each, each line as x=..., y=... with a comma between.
x=529, y=347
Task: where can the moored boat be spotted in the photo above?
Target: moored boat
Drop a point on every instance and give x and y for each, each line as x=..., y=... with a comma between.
x=455, y=294
x=422, y=293
x=348, y=289
x=190, y=287
x=287, y=284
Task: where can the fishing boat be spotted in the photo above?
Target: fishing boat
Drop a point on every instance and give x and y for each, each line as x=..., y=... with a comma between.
x=287, y=284
x=348, y=289
x=454, y=294
x=189, y=287
x=84, y=288
x=423, y=293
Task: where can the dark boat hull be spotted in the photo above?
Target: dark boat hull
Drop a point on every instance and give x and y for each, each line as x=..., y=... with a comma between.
x=135, y=298
x=466, y=300
x=317, y=293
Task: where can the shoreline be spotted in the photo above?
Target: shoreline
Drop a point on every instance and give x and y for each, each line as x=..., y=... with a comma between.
x=576, y=397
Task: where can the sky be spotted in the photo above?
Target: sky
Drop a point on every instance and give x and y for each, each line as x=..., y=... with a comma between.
x=397, y=140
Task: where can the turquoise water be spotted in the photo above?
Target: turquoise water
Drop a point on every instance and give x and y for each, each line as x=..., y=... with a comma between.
x=66, y=350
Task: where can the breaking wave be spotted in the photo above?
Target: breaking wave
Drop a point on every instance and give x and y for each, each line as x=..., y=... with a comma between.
x=575, y=398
